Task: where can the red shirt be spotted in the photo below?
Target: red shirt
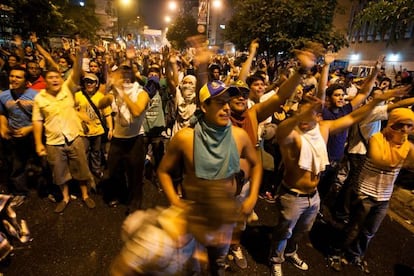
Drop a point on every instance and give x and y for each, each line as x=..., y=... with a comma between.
x=38, y=84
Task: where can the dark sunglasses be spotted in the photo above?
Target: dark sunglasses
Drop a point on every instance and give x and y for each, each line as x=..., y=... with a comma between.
x=399, y=126
x=88, y=81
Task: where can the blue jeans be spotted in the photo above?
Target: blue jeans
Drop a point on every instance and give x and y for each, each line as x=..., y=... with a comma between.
x=344, y=199
x=296, y=217
x=93, y=152
x=217, y=259
x=365, y=222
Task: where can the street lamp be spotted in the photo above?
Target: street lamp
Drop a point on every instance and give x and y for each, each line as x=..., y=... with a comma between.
x=173, y=10
x=172, y=5
x=121, y=3
x=167, y=19
x=216, y=5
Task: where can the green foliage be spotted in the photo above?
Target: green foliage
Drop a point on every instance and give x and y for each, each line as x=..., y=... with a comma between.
x=184, y=26
x=50, y=18
x=282, y=25
x=386, y=17
x=81, y=20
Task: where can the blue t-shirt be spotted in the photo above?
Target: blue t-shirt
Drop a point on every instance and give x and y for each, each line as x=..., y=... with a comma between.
x=16, y=117
x=336, y=142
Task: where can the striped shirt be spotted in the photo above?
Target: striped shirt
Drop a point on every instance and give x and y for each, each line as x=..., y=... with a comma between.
x=377, y=183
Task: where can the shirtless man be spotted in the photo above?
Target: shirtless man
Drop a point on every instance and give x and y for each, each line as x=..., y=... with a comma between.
x=210, y=153
x=252, y=118
x=303, y=138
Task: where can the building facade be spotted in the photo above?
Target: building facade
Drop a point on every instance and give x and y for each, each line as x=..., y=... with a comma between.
x=365, y=47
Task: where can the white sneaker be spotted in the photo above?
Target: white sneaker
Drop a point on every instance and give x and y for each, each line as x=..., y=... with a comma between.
x=239, y=257
x=276, y=270
x=298, y=262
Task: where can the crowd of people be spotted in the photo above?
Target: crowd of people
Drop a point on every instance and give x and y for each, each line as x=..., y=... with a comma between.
x=214, y=134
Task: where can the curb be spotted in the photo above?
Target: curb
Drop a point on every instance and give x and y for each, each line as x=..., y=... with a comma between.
x=402, y=208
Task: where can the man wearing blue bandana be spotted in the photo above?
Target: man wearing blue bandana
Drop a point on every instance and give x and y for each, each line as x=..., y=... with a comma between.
x=210, y=153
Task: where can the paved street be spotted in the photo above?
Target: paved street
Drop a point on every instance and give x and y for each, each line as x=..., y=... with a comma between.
x=83, y=242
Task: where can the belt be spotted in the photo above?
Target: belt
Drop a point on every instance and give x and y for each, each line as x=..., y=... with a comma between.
x=289, y=191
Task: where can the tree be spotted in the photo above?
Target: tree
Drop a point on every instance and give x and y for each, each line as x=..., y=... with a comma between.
x=36, y=15
x=80, y=19
x=49, y=19
x=386, y=17
x=283, y=25
x=184, y=26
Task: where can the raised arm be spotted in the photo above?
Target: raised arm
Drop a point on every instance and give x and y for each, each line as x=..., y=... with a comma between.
x=42, y=51
x=368, y=85
x=146, y=61
x=274, y=103
x=234, y=72
x=201, y=58
x=67, y=48
x=402, y=103
x=186, y=63
x=245, y=70
x=172, y=74
x=74, y=77
x=360, y=113
x=323, y=81
x=4, y=52
x=306, y=111
x=18, y=42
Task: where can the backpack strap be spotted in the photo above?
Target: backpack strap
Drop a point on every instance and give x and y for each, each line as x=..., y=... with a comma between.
x=95, y=108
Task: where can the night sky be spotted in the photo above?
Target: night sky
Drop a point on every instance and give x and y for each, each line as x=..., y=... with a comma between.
x=153, y=12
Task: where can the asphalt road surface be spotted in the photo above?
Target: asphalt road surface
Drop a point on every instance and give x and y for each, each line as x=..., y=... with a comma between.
x=84, y=242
